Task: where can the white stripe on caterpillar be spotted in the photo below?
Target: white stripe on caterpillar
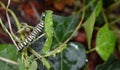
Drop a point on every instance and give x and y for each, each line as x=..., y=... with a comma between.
x=33, y=35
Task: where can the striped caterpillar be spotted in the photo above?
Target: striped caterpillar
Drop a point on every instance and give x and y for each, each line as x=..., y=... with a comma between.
x=36, y=31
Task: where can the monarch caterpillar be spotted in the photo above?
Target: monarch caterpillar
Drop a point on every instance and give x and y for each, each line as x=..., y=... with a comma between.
x=36, y=31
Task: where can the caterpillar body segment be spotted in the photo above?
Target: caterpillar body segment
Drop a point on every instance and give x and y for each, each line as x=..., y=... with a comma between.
x=33, y=35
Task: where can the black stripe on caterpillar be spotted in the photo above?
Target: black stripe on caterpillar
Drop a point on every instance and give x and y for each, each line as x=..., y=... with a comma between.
x=33, y=35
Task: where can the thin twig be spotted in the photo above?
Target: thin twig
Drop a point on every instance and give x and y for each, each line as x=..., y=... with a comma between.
x=91, y=50
x=56, y=50
x=113, y=6
x=3, y=6
x=12, y=13
x=77, y=26
x=87, y=6
x=35, y=53
x=8, y=61
x=8, y=4
x=37, y=38
x=40, y=57
x=105, y=17
x=15, y=18
x=9, y=24
x=116, y=20
x=3, y=26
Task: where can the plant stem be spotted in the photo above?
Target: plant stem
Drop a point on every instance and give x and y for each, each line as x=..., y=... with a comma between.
x=61, y=63
x=35, y=53
x=56, y=50
x=12, y=13
x=87, y=6
x=83, y=15
x=9, y=24
x=40, y=57
x=5, y=29
x=116, y=20
x=38, y=38
x=91, y=50
x=3, y=26
x=113, y=6
x=105, y=17
x=8, y=61
x=15, y=18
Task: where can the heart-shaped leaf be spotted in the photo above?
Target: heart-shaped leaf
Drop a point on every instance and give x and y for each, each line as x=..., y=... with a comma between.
x=105, y=42
x=89, y=23
x=63, y=27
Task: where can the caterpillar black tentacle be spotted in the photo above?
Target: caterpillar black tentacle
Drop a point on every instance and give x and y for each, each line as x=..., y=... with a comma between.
x=36, y=31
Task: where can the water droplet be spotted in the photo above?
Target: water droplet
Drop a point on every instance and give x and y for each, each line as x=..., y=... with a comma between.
x=86, y=60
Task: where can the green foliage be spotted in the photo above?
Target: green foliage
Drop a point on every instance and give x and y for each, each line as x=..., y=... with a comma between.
x=63, y=28
x=105, y=42
x=8, y=51
x=46, y=63
x=89, y=23
x=110, y=64
x=62, y=31
x=57, y=50
x=49, y=31
x=59, y=55
x=29, y=64
x=72, y=58
x=3, y=46
x=21, y=65
x=6, y=66
x=33, y=66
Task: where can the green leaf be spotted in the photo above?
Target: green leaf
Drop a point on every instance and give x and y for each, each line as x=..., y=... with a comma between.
x=21, y=65
x=98, y=8
x=72, y=58
x=57, y=50
x=63, y=27
x=33, y=66
x=110, y=64
x=8, y=51
x=89, y=23
x=49, y=31
x=60, y=49
x=46, y=63
x=6, y=66
x=105, y=42
x=3, y=46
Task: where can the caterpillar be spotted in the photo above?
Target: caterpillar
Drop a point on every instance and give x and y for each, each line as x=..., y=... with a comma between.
x=33, y=35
